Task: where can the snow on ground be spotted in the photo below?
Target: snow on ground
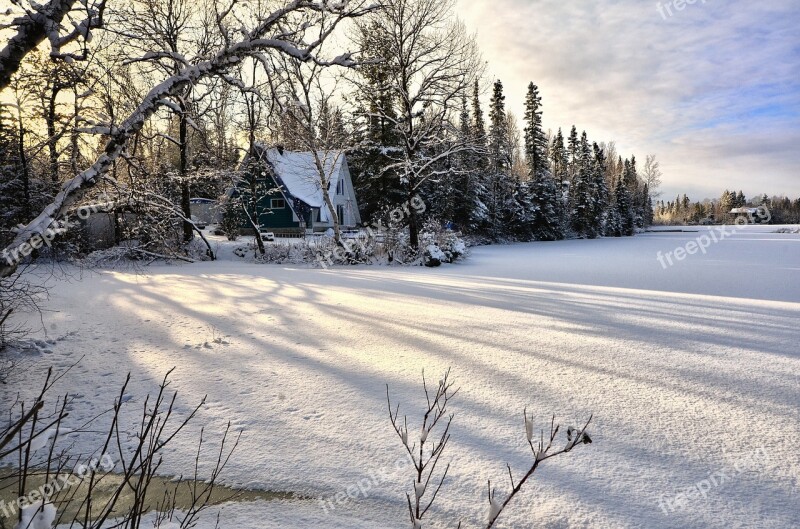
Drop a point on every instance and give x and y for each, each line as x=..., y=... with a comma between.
x=692, y=373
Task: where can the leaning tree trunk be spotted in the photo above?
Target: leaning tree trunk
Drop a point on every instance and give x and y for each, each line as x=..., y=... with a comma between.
x=52, y=140
x=186, y=207
x=413, y=220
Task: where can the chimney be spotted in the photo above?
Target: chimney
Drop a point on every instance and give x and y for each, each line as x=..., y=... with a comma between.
x=280, y=149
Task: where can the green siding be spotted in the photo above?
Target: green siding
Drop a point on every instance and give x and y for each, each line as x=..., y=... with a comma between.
x=270, y=218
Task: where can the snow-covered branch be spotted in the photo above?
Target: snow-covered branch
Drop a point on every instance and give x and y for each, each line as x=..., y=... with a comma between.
x=42, y=22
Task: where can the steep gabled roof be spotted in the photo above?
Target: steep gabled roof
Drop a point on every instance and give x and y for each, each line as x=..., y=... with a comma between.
x=297, y=173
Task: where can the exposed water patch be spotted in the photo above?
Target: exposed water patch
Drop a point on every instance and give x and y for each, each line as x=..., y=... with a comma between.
x=69, y=494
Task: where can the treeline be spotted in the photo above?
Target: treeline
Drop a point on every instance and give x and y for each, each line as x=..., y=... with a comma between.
x=783, y=210
x=407, y=107
x=510, y=184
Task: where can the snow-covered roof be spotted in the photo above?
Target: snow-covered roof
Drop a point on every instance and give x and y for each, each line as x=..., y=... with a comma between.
x=751, y=211
x=298, y=173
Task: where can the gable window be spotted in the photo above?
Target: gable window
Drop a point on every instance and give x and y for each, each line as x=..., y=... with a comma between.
x=340, y=187
x=277, y=203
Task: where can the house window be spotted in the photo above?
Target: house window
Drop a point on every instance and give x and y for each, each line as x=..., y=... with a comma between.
x=277, y=203
x=340, y=187
x=340, y=214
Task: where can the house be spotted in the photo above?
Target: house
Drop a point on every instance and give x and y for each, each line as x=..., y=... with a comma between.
x=749, y=215
x=290, y=193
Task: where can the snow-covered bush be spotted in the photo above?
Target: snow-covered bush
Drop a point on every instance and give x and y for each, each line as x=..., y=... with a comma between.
x=397, y=245
x=440, y=245
x=433, y=256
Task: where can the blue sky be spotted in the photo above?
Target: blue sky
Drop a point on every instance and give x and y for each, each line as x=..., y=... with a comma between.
x=713, y=90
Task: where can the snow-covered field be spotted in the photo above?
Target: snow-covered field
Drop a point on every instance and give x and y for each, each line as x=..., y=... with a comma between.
x=692, y=372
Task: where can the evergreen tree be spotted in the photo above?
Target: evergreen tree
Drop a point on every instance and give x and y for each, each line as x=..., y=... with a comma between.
x=648, y=209
x=500, y=188
x=378, y=189
x=535, y=139
x=624, y=204
x=542, y=196
x=574, y=152
x=726, y=203
x=560, y=164
x=479, y=127
x=613, y=219
x=600, y=191
x=582, y=194
x=479, y=215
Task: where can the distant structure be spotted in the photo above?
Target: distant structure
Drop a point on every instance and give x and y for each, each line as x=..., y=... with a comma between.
x=751, y=215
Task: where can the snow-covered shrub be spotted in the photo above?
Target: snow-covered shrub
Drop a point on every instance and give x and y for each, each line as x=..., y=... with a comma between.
x=396, y=243
x=440, y=245
x=433, y=256
x=388, y=247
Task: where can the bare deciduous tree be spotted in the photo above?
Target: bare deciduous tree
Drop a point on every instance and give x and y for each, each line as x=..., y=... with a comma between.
x=651, y=173
x=430, y=64
x=307, y=106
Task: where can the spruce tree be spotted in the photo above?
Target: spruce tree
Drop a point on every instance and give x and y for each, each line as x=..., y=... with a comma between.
x=560, y=164
x=479, y=126
x=600, y=191
x=469, y=210
x=378, y=189
x=624, y=203
x=648, y=207
x=500, y=187
x=542, y=193
x=613, y=220
x=582, y=195
x=574, y=152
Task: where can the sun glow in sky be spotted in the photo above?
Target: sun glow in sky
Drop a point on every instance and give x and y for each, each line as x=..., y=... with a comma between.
x=713, y=89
